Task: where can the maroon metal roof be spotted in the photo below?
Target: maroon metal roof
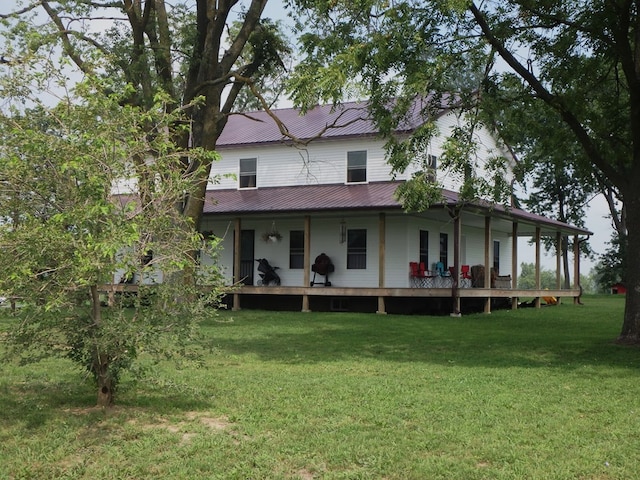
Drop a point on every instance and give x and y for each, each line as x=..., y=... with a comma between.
x=345, y=120
x=375, y=195
x=303, y=198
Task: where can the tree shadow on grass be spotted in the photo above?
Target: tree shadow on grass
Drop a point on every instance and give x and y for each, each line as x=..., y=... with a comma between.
x=528, y=341
x=38, y=403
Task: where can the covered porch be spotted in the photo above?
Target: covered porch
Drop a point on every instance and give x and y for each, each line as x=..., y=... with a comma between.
x=454, y=292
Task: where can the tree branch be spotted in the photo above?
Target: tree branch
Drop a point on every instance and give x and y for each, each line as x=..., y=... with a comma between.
x=545, y=95
x=66, y=42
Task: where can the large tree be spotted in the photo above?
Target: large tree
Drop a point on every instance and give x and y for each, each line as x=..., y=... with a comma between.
x=184, y=50
x=579, y=58
x=165, y=77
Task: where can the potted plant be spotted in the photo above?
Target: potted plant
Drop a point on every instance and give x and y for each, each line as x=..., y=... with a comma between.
x=273, y=235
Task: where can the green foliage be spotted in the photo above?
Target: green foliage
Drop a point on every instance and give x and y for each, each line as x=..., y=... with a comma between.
x=527, y=277
x=409, y=62
x=64, y=234
x=611, y=267
x=558, y=181
x=265, y=58
x=559, y=79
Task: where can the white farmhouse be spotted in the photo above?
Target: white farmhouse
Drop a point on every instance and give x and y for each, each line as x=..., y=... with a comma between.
x=288, y=204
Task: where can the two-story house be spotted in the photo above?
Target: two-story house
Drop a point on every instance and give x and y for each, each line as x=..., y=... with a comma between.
x=336, y=196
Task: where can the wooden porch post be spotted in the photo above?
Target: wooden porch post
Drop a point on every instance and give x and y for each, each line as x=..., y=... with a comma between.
x=382, y=246
x=558, y=259
x=537, y=239
x=487, y=259
x=576, y=267
x=236, y=262
x=455, y=287
x=514, y=263
x=307, y=260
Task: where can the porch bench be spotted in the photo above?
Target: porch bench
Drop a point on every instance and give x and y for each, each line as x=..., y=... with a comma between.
x=503, y=281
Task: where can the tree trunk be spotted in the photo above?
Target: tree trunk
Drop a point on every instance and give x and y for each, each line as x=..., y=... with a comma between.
x=630, y=333
x=106, y=385
x=100, y=365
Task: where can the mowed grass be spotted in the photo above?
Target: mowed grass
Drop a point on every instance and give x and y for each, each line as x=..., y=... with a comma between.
x=535, y=394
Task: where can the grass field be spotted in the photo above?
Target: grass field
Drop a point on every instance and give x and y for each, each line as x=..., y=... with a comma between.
x=531, y=394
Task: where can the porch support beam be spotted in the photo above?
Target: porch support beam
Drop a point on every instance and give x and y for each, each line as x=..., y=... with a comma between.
x=307, y=261
x=236, y=262
x=455, y=290
x=514, y=263
x=558, y=259
x=382, y=247
x=538, y=253
x=487, y=259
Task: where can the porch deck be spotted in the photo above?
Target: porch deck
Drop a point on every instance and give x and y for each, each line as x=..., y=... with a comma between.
x=245, y=293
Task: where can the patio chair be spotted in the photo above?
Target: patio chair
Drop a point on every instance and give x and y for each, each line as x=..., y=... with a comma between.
x=441, y=271
x=417, y=274
x=465, y=276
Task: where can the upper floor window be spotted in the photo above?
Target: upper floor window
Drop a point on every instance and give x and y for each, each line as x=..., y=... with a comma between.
x=357, y=249
x=357, y=166
x=432, y=162
x=248, y=172
x=296, y=249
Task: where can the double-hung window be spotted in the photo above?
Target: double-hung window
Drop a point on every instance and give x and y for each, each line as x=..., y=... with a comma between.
x=424, y=247
x=356, y=249
x=248, y=172
x=431, y=167
x=357, y=166
x=296, y=249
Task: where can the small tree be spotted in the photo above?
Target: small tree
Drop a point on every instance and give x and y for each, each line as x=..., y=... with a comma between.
x=611, y=267
x=527, y=278
x=70, y=234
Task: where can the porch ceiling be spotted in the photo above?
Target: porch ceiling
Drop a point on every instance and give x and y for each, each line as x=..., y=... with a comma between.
x=375, y=196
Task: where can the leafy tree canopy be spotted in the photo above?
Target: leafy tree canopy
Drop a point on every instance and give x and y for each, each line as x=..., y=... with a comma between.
x=578, y=58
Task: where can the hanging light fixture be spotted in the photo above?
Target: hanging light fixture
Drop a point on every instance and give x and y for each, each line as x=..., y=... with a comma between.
x=343, y=231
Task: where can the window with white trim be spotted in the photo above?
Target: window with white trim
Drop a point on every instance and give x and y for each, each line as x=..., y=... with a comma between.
x=444, y=249
x=357, y=166
x=296, y=249
x=357, y=249
x=248, y=172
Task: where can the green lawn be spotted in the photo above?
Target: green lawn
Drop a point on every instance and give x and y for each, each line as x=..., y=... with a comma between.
x=537, y=394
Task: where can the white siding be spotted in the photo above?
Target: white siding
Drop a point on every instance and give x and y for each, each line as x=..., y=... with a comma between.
x=402, y=242
x=487, y=147
x=325, y=161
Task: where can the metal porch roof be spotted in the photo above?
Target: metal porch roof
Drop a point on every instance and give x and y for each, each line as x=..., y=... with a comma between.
x=363, y=197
